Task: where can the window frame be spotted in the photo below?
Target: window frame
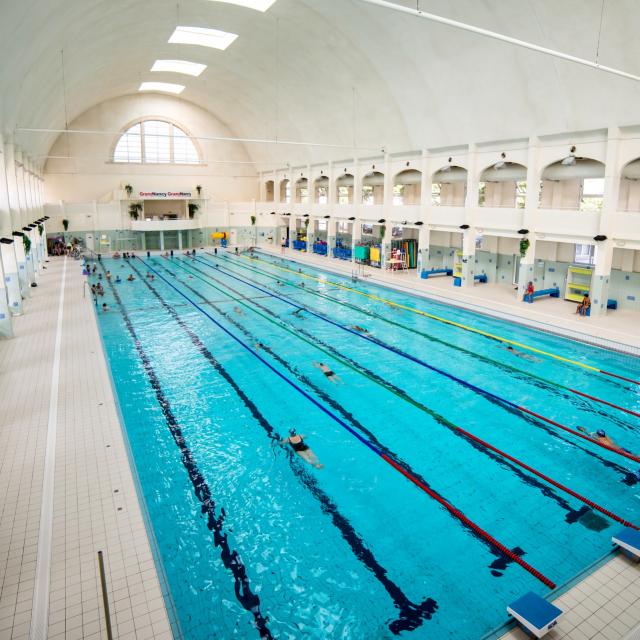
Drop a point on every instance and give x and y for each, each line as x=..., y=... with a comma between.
x=172, y=159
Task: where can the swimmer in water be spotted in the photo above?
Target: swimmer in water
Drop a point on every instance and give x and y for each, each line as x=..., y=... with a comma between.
x=359, y=329
x=297, y=313
x=330, y=375
x=258, y=346
x=520, y=354
x=297, y=443
x=601, y=437
x=239, y=311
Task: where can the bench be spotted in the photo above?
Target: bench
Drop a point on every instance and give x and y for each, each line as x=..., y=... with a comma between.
x=611, y=304
x=432, y=272
x=553, y=292
x=482, y=277
x=300, y=245
x=320, y=248
x=344, y=253
x=629, y=541
x=535, y=614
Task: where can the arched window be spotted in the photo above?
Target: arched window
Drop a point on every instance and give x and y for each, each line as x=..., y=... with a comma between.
x=155, y=142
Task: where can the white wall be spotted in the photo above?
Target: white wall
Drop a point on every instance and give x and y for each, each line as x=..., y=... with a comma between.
x=89, y=175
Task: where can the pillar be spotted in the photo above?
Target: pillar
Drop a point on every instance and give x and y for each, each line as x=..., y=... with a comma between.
x=310, y=233
x=6, y=329
x=11, y=278
x=356, y=236
x=180, y=240
x=21, y=259
x=468, y=257
x=424, y=234
x=292, y=231
x=424, y=254
x=469, y=235
x=604, y=249
x=332, y=232
x=385, y=244
x=526, y=272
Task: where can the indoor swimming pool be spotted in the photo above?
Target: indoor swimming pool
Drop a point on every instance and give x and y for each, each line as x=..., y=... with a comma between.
x=456, y=476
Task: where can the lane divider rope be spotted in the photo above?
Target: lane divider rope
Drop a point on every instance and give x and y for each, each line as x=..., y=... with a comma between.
x=447, y=505
x=422, y=363
x=459, y=325
x=484, y=358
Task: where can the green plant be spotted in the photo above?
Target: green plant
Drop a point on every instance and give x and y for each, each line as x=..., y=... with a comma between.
x=306, y=223
x=199, y=189
x=524, y=245
x=26, y=241
x=135, y=209
x=65, y=224
x=193, y=208
x=129, y=189
x=383, y=229
x=40, y=229
x=253, y=221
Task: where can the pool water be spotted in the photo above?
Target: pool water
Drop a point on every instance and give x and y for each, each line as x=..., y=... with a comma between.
x=403, y=530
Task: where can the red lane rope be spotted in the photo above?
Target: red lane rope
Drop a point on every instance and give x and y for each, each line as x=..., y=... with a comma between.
x=555, y=483
x=472, y=525
x=617, y=450
x=610, y=404
x=615, y=375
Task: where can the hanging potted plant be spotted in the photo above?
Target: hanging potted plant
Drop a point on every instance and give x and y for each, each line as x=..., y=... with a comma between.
x=253, y=221
x=65, y=224
x=524, y=245
x=40, y=229
x=193, y=208
x=129, y=189
x=135, y=209
x=383, y=229
x=26, y=241
x=199, y=189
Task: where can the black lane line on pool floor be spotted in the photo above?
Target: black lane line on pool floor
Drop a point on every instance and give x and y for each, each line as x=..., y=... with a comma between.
x=423, y=363
x=584, y=515
x=628, y=477
x=609, y=377
x=230, y=557
x=497, y=548
x=575, y=398
x=411, y=615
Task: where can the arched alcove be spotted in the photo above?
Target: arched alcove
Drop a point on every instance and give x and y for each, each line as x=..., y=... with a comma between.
x=269, y=190
x=302, y=191
x=373, y=188
x=503, y=184
x=344, y=189
x=285, y=191
x=573, y=183
x=407, y=187
x=449, y=186
x=629, y=196
x=321, y=190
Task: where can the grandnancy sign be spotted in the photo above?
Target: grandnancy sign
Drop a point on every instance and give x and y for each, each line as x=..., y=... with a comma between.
x=165, y=195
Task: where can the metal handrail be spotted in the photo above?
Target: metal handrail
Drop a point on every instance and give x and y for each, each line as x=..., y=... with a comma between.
x=105, y=597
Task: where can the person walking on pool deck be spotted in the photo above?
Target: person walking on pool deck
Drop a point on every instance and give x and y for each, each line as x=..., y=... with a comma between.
x=297, y=444
x=327, y=372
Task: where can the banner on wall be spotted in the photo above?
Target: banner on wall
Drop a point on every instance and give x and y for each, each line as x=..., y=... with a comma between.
x=165, y=195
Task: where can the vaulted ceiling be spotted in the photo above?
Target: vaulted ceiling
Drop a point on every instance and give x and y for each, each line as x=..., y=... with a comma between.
x=328, y=71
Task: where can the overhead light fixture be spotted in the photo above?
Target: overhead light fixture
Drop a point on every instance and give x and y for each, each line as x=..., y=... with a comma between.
x=447, y=167
x=523, y=232
x=179, y=66
x=501, y=164
x=464, y=226
x=258, y=5
x=599, y=238
x=6, y=241
x=352, y=218
x=165, y=87
x=571, y=158
x=202, y=37
x=418, y=223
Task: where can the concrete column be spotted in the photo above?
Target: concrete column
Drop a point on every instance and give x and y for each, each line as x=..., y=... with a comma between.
x=604, y=249
x=11, y=186
x=143, y=241
x=332, y=232
x=424, y=235
x=310, y=191
x=161, y=240
x=21, y=260
x=468, y=257
x=180, y=240
x=385, y=244
x=11, y=280
x=526, y=272
x=356, y=235
x=6, y=328
x=332, y=194
x=292, y=232
x=601, y=277
x=388, y=187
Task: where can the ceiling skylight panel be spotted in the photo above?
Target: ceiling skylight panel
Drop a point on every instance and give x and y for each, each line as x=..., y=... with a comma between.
x=166, y=87
x=179, y=66
x=258, y=5
x=202, y=37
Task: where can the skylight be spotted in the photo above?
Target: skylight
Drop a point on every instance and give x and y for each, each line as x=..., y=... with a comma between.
x=202, y=37
x=179, y=66
x=167, y=87
x=258, y=5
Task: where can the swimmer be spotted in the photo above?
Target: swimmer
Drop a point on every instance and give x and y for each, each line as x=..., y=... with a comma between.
x=297, y=444
x=601, y=437
x=330, y=375
x=104, y=307
x=520, y=354
x=297, y=313
x=118, y=280
x=258, y=346
x=108, y=275
x=130, y=278
x=239, y=311
x=359, y=329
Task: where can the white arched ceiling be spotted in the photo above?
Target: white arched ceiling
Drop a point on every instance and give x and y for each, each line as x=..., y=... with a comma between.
x=327, y=71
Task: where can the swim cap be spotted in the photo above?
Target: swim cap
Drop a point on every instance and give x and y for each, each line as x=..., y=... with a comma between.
x=292, y=432
x=600, y=433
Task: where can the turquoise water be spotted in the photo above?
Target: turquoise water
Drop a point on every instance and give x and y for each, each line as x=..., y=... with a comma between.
x=256, y=543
